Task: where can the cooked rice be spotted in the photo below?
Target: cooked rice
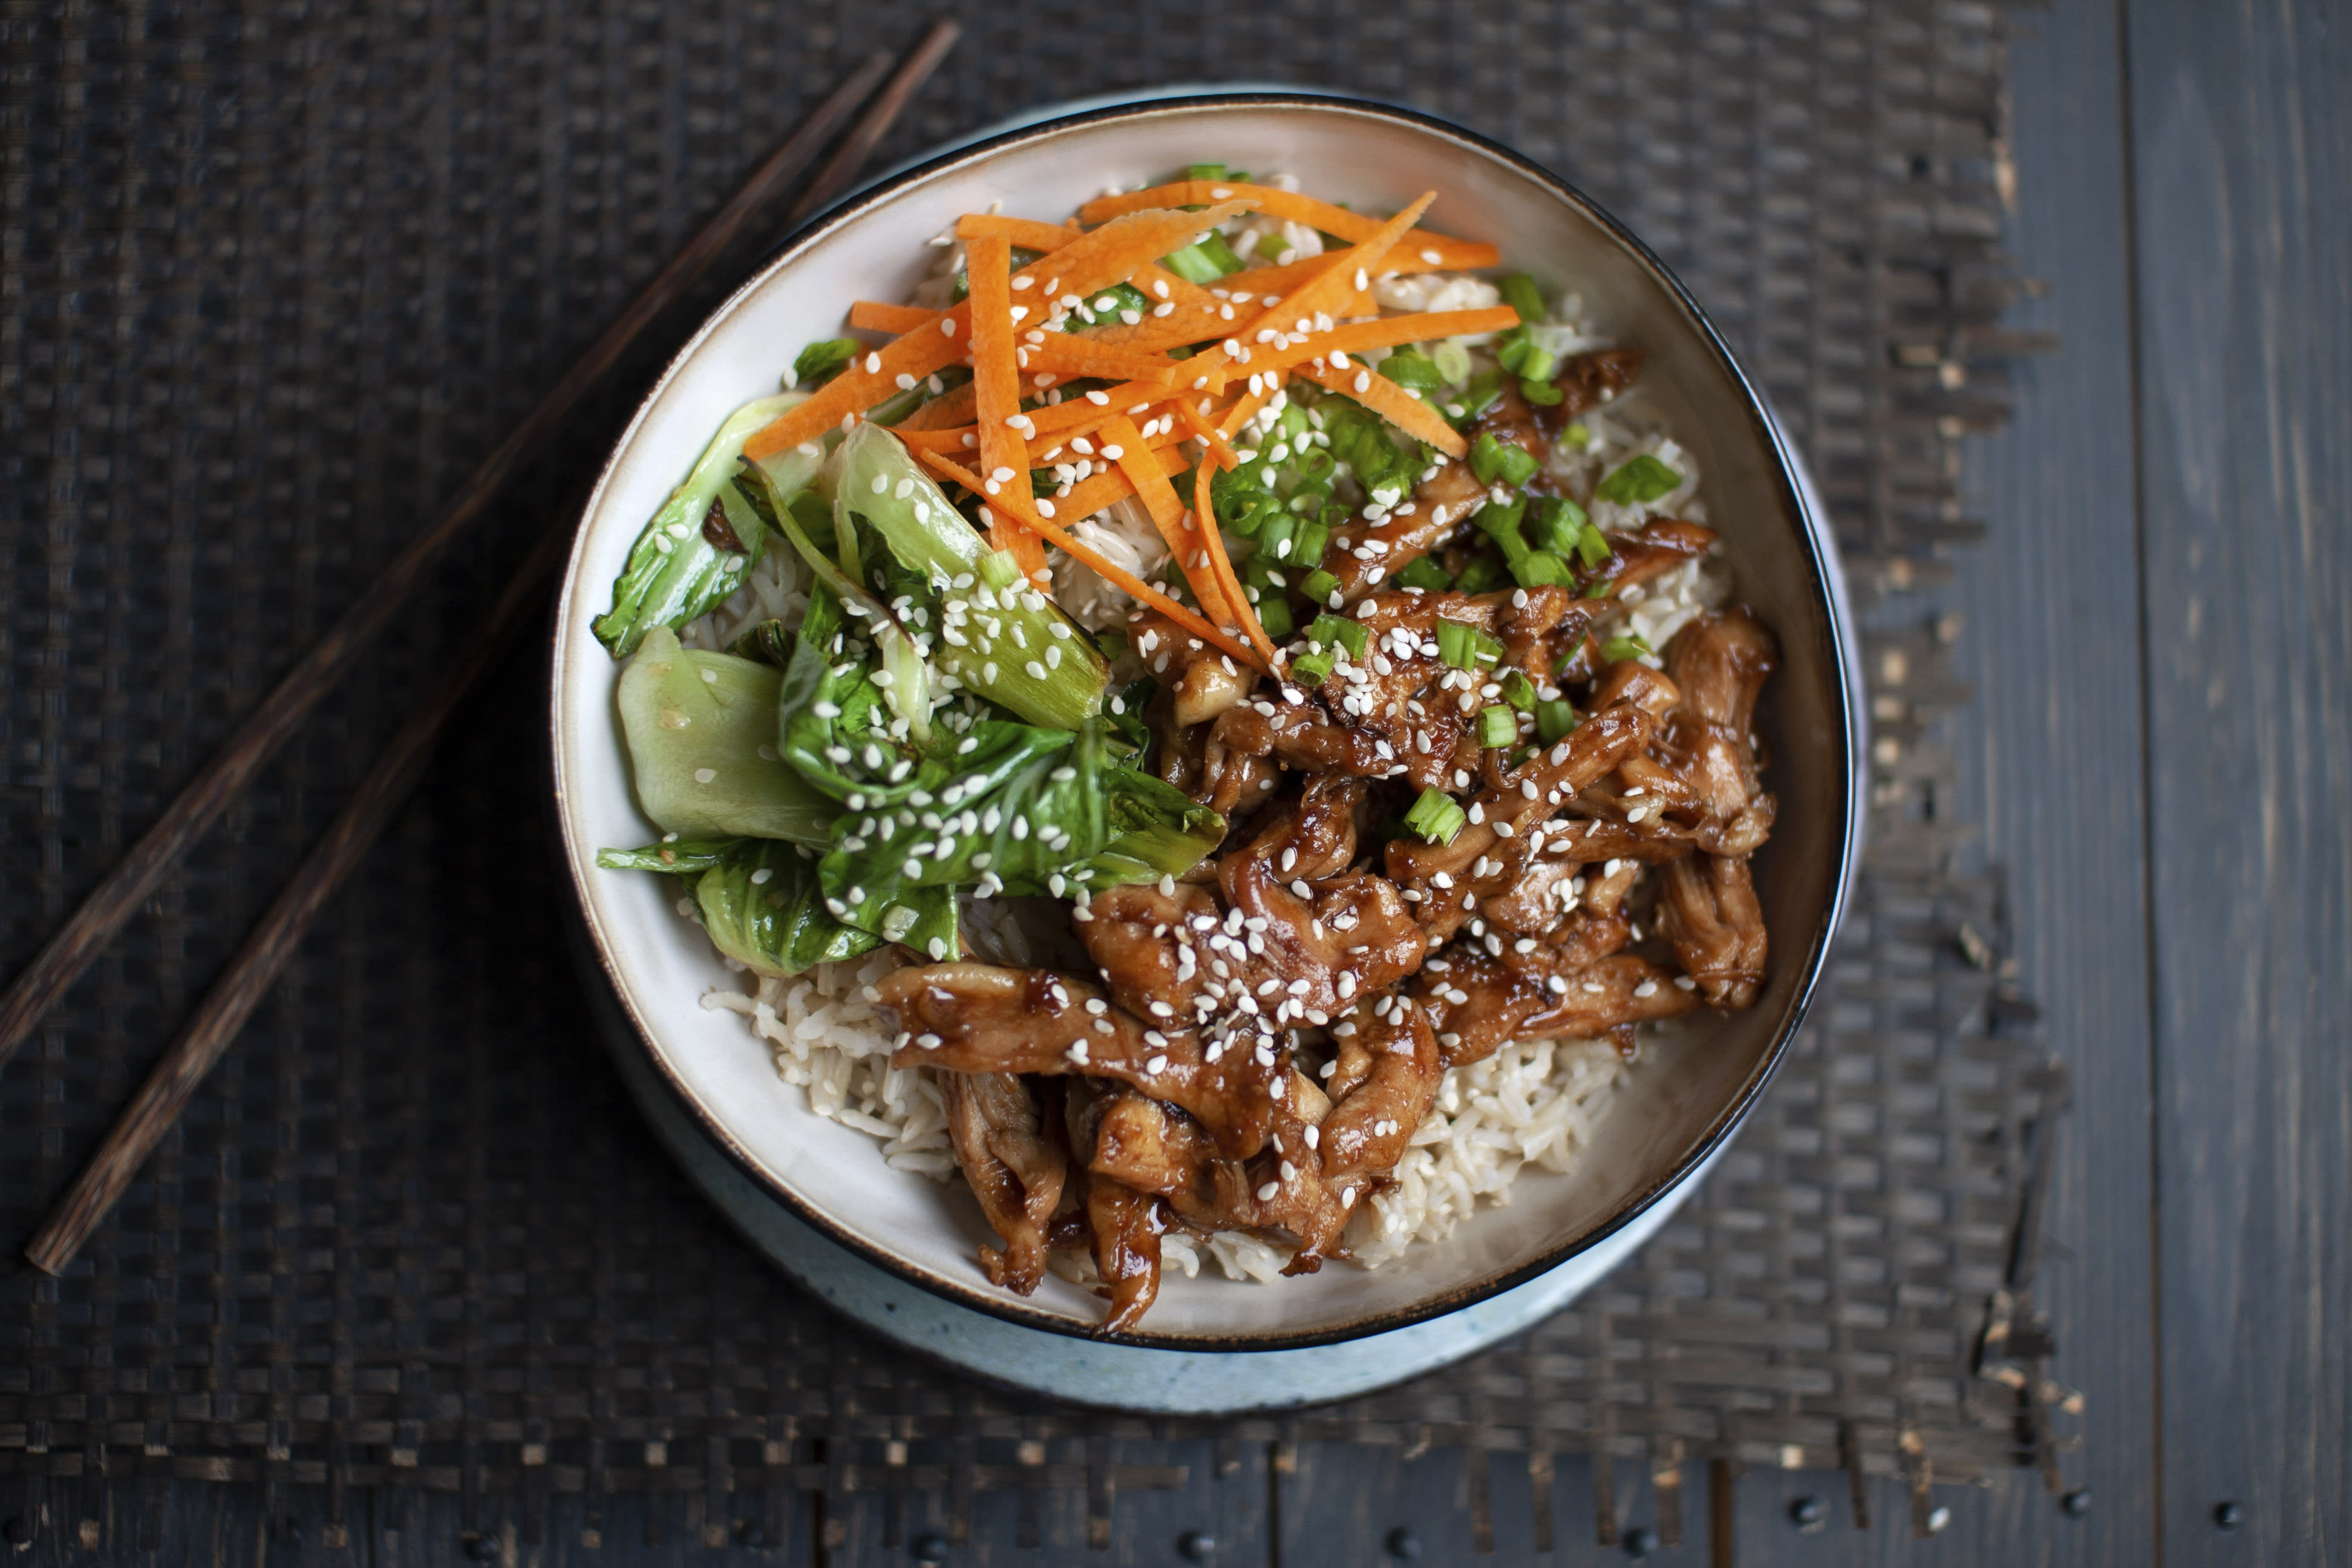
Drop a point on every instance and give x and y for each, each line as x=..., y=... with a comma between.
x=1531, y=1103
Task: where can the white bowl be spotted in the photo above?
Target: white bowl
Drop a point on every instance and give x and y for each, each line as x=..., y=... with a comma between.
x=1686, y=1095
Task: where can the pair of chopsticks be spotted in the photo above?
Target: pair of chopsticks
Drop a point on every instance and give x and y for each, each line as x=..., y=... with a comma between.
x=259, y=963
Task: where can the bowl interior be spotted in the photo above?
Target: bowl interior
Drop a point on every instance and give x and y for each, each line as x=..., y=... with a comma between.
x=1683, y=1095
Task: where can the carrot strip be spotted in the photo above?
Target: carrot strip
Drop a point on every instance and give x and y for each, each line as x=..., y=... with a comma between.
x=1388, y=332
x=1065, y=356
x=1095, y=259
x=1323, y=293
x=1455, y=254
x=1091, y=495
x=1028, y=232
x=997, y=399
x=1111, y=571
x=1221, y=565
x=950, y=407
x=1391, y=402
x=873, y=316
x=1133, y=397
x=1207, y=431
x=1281, y=280
x=949, y=441
x=1167, y=509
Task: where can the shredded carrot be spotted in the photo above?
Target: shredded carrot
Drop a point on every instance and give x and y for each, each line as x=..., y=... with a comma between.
x=952, y=407
x=1455, y=255
x=1387, y=332
x=1095, y=259
x=1028, y=232
x=1281, y=280
x=1391, y=402
x=996, y=399
x=1220, y=566
x=1132, y=397
x=1111, y=571
x=1206, y=429
x=1326, y=292
x=1091, y=495
x=873, y=316
x=1166, y=510
x=1064, y=356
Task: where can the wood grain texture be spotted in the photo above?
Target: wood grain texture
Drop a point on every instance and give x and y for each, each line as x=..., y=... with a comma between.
x=2241, y=133
x=2049, y=638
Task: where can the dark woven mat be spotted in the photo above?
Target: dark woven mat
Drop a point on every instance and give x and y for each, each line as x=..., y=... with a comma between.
x=272, y=279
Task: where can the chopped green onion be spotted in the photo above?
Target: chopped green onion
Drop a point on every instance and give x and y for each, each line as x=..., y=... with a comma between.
x=1543, y=394
x=1507, y=461
x=1622, y=648
x=1436, y=817
x=1577, y=435
x=1424, y=573
x=1641, y=478
x=1453, y=361
x=1206, y=171
x=1465, y=646
x=1541, y=569
x=1193, y=266
x=1273, y=615
x=1521, y=294
x=1523, y=358
x=1354, y=635
x=1414, y=371
x=1320, y=585
x=1482, y=575
x=1498, y=726
x=1555, y=523
x=1519, y=691
x=1501, y=522
x=1221, y=255
x=1480, y=396
x=1272, y=247
x=1555, y=717
x=1592, y=545
x=1311, y=668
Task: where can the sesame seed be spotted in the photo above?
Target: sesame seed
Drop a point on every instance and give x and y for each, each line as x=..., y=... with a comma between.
x=704, y=775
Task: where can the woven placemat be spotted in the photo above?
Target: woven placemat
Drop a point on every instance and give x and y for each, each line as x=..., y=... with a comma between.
x=272, y=279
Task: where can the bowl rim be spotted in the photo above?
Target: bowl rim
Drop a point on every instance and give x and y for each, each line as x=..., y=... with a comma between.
x=1821, y=561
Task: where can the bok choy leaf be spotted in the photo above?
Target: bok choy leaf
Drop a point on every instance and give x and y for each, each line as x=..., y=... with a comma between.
x=760, y=905
x=701, y=733
x=686, y=563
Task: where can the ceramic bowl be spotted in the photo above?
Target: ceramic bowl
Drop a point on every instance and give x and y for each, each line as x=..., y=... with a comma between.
x=1686, y=1094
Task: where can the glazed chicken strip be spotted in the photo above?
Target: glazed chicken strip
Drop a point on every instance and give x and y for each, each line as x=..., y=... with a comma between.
x=1288, y=936
x=1123, y=1223
x=1709, y=912
x=976, y=1017
x=1588, y=380
x=1721, y=663
x=1508, y=828
x=1202, y=681
x=1151, y=1147
x=1479, y=1001
x=1014, y=1169
x=1402, y=708
x=1385, y=1080
x=1366, y=553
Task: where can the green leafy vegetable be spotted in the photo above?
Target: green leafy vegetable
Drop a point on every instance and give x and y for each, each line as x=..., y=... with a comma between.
x=677, y=570
x=701, y=733
x=678, y=857
x=821, y=361
x=761, y=906
x=1639, y=478
x=1436, y=817
x=1000, y=638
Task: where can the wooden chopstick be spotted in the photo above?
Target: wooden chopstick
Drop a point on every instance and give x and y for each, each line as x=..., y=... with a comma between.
x=264, y=955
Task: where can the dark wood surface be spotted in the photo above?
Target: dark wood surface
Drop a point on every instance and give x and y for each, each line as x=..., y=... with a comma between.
x=2160, y=629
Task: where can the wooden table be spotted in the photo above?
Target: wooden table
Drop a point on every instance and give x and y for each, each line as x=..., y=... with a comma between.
x=2160, y=628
